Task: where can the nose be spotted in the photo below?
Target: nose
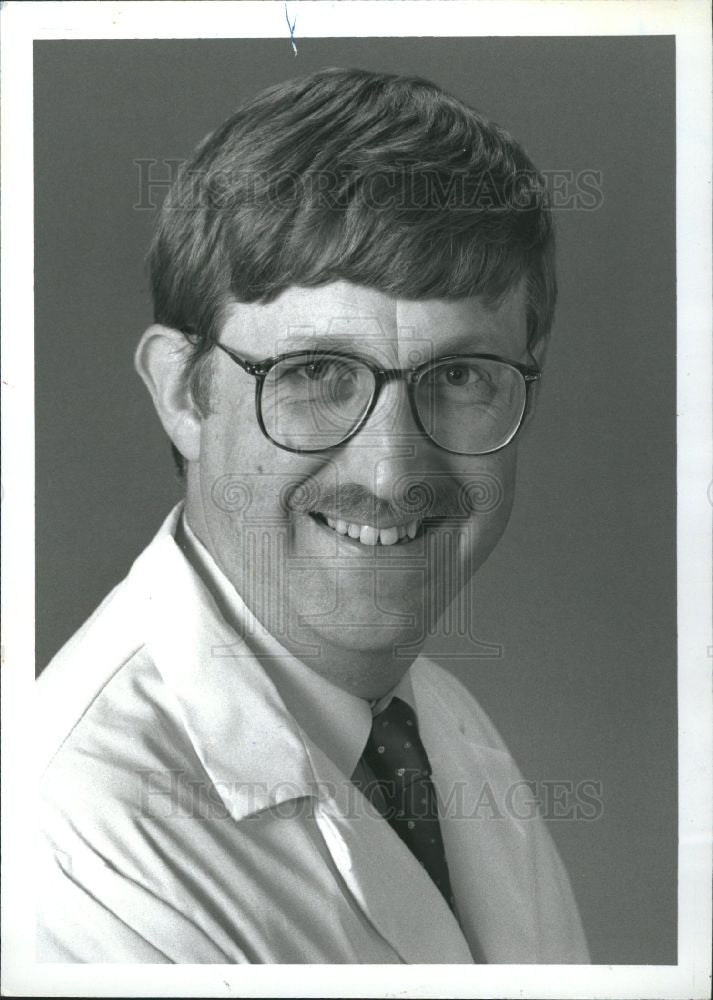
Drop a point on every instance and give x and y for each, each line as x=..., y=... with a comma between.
x=391, y=451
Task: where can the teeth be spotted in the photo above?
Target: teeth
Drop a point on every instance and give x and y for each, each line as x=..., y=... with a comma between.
x=372, y=536
x=368, y=535
x=387, y=536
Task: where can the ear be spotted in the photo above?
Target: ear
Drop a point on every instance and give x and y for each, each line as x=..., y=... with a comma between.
x=538, y=353
x=160, y=361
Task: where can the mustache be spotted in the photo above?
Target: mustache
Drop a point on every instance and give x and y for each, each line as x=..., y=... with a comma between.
x=413, y=495
x=423, y=496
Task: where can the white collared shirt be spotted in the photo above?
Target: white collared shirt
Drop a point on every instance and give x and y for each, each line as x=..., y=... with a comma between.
x=194, y=808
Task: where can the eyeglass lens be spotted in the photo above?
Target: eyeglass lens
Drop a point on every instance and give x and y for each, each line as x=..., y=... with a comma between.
x=311, y=402
x=471, y=405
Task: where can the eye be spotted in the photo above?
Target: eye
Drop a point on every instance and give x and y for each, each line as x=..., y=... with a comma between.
x=458, y=375
x=295, y=371
x=464, y=381
x=315, y=369
x=463, y=374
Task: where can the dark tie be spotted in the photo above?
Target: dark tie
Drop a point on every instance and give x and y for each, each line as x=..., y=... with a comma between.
x=400, y=786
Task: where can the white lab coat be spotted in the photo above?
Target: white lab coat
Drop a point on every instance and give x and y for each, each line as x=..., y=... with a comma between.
x=187, y=818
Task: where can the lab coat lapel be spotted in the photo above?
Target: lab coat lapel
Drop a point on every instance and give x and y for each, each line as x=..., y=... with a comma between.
x=238, y=724
x=486, y=849
x=383, y=876
x=512, y=892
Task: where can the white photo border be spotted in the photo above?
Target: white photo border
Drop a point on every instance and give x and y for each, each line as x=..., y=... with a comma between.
x=689, y=21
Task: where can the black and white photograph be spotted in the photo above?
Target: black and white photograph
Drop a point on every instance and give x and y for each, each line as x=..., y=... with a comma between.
x=357, y=499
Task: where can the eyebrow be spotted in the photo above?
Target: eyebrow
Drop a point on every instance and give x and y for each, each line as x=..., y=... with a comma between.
x=298, y=340
x=466, y=342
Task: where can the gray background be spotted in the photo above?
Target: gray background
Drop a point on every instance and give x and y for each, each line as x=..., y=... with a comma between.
x=581, y=592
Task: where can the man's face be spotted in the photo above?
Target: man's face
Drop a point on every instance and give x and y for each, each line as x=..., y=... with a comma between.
x=270, y=517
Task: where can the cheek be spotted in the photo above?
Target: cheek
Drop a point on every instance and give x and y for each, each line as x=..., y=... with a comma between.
x=489, y=490
x=237, y=496
x=231, y=439
x=244, y=476
x=223, y=433
x=230, y=461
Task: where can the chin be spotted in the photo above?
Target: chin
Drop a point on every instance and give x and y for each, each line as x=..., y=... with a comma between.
x=372, y=640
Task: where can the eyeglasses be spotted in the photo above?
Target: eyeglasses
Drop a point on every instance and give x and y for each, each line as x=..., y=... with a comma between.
x=467, y=404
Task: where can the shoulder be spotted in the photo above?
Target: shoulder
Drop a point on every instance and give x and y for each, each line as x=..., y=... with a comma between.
x=109, y=646
x=119, y=786
x=449, y=696
x=83, y=669
x=106, y=725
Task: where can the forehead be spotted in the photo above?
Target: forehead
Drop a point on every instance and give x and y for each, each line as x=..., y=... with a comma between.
x=352, y=316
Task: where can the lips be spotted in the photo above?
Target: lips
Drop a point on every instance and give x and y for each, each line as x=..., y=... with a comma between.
x=367, y=534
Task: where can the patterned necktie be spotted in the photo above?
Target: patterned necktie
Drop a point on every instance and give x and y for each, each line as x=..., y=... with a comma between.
x=400, y=787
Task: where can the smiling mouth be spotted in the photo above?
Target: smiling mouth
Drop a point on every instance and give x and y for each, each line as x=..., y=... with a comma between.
x=366, y=534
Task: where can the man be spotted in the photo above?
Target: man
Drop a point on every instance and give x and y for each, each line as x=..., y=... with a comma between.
x=245, y=757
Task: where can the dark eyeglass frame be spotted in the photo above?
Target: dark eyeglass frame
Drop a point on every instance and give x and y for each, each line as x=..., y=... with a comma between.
x=412, y=376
